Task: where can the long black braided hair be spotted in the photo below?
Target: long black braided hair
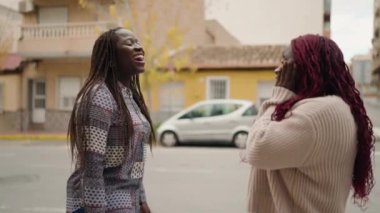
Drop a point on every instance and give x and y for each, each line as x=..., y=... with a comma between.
x=104, y=69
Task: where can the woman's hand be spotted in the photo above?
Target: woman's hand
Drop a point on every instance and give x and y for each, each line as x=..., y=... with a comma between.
x=144, y=208
x=286, y=75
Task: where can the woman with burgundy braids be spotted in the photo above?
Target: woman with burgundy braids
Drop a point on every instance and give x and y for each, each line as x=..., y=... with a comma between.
x=312, y=140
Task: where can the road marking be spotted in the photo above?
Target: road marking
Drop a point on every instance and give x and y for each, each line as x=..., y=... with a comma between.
x=183, y=171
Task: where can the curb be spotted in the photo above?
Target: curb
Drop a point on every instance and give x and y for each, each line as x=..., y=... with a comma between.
x=63, y=137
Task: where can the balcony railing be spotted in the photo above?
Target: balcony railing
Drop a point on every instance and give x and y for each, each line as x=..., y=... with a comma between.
x=67, y=30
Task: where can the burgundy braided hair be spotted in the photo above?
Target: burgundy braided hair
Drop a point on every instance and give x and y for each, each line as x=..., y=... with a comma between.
x=324, y=72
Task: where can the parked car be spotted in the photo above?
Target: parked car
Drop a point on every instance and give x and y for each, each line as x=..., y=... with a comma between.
x=225, y=121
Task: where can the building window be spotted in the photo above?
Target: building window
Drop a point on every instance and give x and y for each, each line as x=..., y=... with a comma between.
x=172, y=96
x=1, y=98
x=218, y=88
x=52, y=15
x=68, y=90
x=264, y=91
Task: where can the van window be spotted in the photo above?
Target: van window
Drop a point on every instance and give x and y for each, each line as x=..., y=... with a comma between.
x=251, y=111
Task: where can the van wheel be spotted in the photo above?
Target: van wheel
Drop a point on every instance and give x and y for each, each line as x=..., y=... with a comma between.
x=169, y=139
x=240, y=139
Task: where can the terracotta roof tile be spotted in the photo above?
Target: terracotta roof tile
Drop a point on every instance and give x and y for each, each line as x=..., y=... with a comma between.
x=221, y=57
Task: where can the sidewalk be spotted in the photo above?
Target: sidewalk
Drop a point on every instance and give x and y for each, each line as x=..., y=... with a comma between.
x=34, y=136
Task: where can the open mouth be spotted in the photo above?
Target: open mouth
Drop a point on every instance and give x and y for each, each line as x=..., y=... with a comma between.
x=139, y=58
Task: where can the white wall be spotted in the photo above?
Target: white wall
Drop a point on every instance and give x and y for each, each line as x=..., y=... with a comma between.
x=362, y=70
x=10, y=3
x=277, y=22
x=268, y=21
x=10, y=21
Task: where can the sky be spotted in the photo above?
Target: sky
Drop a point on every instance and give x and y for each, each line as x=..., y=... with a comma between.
x=351, y=21
x=352, y=25
x=10, y=3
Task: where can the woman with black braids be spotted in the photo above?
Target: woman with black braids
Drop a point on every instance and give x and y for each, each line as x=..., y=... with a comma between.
x=312, y=141
x=108, y=130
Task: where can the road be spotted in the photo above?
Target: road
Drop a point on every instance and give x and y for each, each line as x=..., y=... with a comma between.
x=186, y=179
